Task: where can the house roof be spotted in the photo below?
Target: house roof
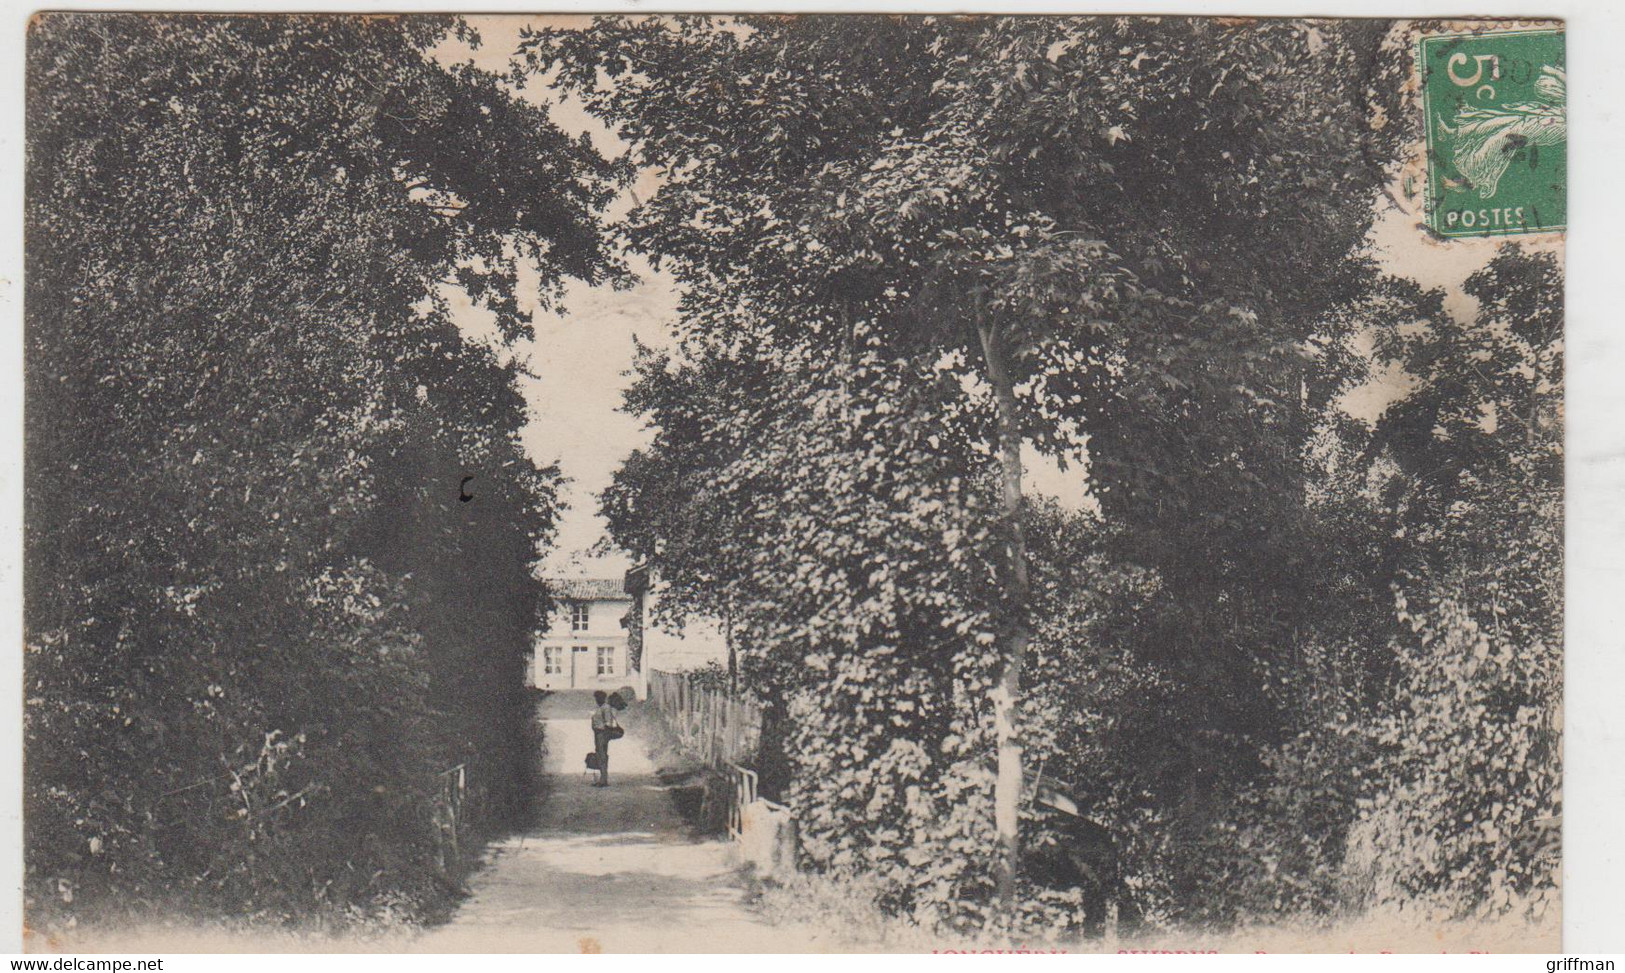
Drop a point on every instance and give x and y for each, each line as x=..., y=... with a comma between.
x=588, y=589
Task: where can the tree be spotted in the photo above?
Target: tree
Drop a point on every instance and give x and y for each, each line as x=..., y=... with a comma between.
x=258, y=619
x=1111, y=231
x=1470, y=468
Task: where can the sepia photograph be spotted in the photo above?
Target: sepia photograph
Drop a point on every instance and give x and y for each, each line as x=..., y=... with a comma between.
x=816, y=483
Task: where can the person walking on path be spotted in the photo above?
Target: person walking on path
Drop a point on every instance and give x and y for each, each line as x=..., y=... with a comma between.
x=603, y=730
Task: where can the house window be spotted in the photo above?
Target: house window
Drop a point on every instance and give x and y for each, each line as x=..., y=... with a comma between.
x=579, y=614
x=553, y=660
x=606, y=660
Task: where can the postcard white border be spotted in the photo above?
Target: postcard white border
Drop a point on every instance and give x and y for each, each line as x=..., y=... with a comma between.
x=1594, y=812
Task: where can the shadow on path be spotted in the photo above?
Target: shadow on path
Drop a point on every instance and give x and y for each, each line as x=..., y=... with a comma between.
x=613, y=869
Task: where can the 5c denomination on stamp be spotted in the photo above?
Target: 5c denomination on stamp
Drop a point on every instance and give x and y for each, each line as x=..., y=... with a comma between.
x=1497, y=132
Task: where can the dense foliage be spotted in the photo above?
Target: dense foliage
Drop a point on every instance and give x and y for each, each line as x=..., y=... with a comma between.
x=1280, y=661
x=1466, y=824
x=911, y=248
x=260, y=622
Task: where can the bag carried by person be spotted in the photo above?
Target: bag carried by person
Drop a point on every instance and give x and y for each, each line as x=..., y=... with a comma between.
x=592, y=760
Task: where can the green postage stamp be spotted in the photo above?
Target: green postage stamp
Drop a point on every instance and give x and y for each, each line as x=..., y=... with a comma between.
x=1497, y=132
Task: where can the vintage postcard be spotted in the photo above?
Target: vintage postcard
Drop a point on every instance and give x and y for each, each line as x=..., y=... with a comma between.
x=696, y=483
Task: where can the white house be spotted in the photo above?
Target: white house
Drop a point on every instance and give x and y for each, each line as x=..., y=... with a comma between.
x=585, y=644
x=701, y=639
x=602, y=635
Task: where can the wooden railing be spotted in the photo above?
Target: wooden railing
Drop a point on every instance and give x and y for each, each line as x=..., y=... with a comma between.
x=744, y=790
x=449, y=800
x=717, y=729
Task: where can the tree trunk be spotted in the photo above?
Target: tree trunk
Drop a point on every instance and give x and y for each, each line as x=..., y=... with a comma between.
x=733, y=655
x=1014, y=632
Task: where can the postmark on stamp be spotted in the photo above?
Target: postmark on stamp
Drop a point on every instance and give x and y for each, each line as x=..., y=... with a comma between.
x=1497, y=132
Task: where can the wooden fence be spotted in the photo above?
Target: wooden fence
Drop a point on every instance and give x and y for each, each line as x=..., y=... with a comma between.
x=451, y=795
x=745, y=790
x=714, y=727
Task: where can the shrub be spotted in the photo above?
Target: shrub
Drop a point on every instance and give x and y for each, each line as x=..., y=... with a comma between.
x=258, y=620
x=712, y=678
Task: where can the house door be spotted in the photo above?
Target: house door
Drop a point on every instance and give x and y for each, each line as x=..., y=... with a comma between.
x=580, y=674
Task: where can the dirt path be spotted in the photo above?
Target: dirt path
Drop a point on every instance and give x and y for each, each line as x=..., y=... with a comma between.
x=613, y=870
